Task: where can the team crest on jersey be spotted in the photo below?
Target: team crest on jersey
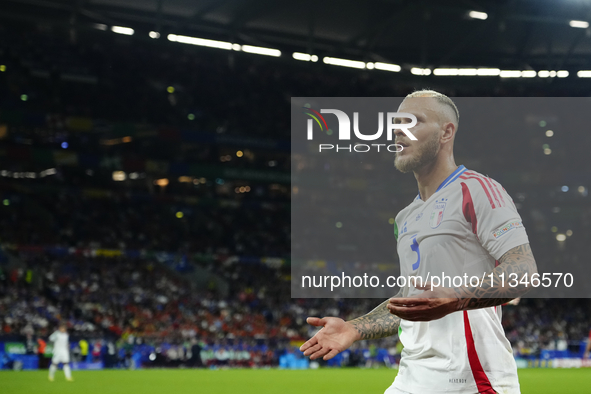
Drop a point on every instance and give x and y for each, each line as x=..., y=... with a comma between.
x=437, y=213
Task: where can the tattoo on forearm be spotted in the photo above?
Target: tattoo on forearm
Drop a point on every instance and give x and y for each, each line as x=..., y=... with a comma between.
x=518, y=260
x=379, y=323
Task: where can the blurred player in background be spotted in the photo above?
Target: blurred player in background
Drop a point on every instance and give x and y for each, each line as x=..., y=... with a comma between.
x=460, y=222
x=61, y=352
x=588, y=348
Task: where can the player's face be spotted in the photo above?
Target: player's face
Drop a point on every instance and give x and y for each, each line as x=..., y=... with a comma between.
x=417, y=154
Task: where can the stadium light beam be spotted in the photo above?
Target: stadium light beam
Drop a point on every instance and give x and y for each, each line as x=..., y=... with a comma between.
x=305, y=57
x=562, y=73
x=445, y=71
x=420, y=71
x=335, y=61
x=387, y=67
x=478, y=15
x=510, y=74
x=467, y=72
x=579, y=24
x=488, y=72
x=203, y=42
x=128, y=31
x=261, y=50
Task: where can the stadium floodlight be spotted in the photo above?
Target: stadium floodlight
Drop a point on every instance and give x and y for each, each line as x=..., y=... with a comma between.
x=529, y=73
x=467, y=72
x=543, y=73
x=203, y=42
x=261, y=50
x=335, y=61
x=488, y=72
x=128, y=31
x=445, y=71
x=584, y=74
x=100, y=26
x=387, y=67
x=562, y=74
x=49, y=171
x=478, y=15
x=305, y=57
x=420, y=71
x=510, y=74
x=370, y=66
x=579, y=24
x=154, y=34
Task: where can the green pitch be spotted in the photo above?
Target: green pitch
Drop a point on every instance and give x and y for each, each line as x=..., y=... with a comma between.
x=354, y=381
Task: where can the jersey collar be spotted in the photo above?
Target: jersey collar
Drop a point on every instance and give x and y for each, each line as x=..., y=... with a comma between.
x=452, y=177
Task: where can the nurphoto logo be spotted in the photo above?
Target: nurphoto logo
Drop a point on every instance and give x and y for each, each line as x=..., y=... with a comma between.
x=344, y=130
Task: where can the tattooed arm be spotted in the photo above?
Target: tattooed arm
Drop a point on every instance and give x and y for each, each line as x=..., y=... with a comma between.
x=379, y=323
x=436, y=303
x=337, y=335
x=519, y=261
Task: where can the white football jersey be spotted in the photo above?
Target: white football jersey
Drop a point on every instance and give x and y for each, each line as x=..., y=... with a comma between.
x=60, y=342
x=463, y=228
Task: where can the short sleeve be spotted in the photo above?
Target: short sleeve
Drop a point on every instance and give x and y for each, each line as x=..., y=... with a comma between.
x=492, y=214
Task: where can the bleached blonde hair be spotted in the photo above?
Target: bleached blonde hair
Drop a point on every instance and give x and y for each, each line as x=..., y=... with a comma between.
x=440, y=97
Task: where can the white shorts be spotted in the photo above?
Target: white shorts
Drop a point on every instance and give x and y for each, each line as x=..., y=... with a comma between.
x=60, y=358
x=394, y=390
x=397, y=391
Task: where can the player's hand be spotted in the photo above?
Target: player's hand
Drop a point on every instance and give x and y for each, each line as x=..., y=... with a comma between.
x=427, y=306
x=335, y=336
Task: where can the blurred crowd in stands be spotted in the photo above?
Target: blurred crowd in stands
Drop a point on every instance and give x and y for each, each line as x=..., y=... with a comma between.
x=132, y=308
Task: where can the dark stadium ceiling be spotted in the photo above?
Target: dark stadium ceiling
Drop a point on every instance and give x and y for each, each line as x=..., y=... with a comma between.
x=518, y=34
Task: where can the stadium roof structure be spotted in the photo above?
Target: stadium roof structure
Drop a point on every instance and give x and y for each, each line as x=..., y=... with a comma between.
x=504, y=34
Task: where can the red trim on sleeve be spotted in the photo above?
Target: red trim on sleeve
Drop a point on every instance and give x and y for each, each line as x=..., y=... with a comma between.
x=492, y=204
x=482, y=382
x=468, y=207
x=492, y=188
x=497, y=185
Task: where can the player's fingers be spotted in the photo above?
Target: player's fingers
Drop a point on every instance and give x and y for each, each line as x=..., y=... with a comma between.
x=310, y=342
x=425, y=286
x=312, y=350
x=415, y=313
x=408, y=301
x=316, y=321
x=406, y=312
x=320, y=353
x=330, y=354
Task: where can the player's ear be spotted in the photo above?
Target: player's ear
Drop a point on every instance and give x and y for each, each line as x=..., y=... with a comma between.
x=449, y=131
